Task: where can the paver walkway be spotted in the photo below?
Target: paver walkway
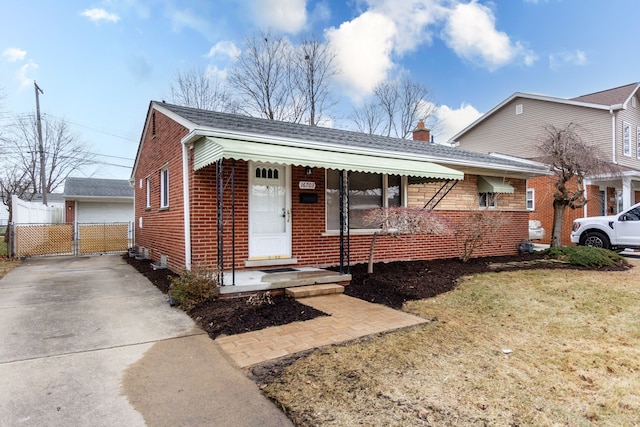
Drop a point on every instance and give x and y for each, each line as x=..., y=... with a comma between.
x=350, y=318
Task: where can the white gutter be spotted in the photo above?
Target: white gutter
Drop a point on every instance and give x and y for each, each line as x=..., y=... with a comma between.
x=613, y=134
x=187, y=207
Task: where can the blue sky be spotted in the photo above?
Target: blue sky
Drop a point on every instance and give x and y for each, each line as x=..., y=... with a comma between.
x=100, y=63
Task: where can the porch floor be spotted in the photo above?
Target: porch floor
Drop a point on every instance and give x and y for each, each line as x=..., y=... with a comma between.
x=264, y=280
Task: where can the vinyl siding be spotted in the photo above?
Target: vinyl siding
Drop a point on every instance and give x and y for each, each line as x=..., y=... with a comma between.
x=518, y=134
x=632, y=116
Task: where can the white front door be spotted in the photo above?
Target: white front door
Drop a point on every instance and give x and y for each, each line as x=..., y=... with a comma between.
x=269, y=211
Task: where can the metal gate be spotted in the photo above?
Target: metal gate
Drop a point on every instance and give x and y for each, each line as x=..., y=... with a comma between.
x=70, y=239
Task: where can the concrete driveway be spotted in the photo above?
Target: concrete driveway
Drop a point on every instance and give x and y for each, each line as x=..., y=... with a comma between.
x=88, y=341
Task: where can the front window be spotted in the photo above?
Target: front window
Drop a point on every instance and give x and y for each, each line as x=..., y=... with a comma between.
x=487, y=200
x=626, y=139
x=366, y=191
x=164, y=188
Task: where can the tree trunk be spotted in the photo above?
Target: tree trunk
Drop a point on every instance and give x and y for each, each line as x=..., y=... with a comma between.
x=373, y=242
x=556, y=229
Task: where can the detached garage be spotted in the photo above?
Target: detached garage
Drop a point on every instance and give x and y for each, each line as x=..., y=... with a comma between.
x=97, y=201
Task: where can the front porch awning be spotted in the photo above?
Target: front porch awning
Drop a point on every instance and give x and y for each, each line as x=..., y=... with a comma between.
x=491, y=184
x=210, y=149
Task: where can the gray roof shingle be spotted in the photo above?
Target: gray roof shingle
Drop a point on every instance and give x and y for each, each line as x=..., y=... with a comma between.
x=95, y=187
x=618, y=95
x=259, y=126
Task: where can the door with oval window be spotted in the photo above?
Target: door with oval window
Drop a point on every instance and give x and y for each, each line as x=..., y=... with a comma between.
x=269, y=211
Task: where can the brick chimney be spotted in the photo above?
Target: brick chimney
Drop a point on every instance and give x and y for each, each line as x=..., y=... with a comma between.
x=421, y=133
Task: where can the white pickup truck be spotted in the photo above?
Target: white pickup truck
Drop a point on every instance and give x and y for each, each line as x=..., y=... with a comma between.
x=615, y=232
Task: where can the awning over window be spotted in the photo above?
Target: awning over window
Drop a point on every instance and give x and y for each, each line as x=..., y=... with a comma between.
x=491, y=184
x=209, y=149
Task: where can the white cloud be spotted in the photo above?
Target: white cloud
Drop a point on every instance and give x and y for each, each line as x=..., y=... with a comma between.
x=23, y=77
x=97, y=15
x=450, y=121
x=470, y=30
x=283, y=15
x=576, y=57
x=215, y=73
x=369, y=46
x=14, y=54
x=225, y=48
x=363, y=51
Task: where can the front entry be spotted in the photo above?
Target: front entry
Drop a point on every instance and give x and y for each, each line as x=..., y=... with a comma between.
x=269, y=211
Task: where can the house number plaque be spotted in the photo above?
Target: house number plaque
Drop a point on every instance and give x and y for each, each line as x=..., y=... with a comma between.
x=307, y=185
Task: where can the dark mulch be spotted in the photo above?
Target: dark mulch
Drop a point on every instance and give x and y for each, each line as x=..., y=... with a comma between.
x=391, y=284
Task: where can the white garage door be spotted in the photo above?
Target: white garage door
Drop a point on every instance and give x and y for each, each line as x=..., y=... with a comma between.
x=96, y=212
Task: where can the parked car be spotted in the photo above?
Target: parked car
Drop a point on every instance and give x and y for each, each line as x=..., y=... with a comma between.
x=536, y=232
x=616, y=232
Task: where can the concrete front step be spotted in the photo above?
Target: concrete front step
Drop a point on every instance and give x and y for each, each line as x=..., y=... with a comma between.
x=314, y=290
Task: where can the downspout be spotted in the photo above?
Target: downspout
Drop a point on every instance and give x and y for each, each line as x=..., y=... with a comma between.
x=613, y=134
x=187, y=207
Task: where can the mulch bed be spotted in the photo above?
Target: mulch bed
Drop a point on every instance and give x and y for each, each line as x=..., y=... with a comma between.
x=391, y=284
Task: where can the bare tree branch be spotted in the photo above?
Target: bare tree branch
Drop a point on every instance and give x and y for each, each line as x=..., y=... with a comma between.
x=263, y=77
x=199, y=88
x=571, y=160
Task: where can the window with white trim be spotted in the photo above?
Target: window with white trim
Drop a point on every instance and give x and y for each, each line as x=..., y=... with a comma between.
x=638, y=142
x=366, y=191
x=519, y=109
x=487, y=200
x=531, y=199
x=626, y=139
x=148, y=192
x=164, y=187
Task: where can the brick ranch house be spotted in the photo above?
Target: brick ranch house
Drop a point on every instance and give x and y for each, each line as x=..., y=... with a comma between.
x=245, y=194
x=609, y=120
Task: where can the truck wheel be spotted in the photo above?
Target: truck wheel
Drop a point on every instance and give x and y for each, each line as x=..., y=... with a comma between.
x=595, y=239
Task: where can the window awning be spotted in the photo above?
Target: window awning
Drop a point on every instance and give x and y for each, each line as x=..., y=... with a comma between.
x=491, y=184
x=210, y=149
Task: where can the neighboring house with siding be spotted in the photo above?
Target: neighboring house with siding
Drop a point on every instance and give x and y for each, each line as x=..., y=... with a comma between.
x=609, y=120
x=245, y=194
x=97, y=201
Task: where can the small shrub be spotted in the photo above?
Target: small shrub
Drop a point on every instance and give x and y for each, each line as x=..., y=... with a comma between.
x=586, y=256
x=263, y=298
x=194, y=286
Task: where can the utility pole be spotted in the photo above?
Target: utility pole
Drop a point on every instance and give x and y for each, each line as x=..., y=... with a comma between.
x=43, y=179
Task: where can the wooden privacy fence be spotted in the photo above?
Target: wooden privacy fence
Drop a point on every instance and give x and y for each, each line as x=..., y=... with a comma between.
x=71, y=239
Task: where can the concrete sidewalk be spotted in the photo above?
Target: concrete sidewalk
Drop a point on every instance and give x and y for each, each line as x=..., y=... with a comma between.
x=88, y=341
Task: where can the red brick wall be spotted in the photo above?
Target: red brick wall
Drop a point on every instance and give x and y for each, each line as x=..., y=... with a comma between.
x=162, y=229
x=544, y=190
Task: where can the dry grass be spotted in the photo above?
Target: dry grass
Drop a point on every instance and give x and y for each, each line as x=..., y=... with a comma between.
x=7, y=265
x=575, y=360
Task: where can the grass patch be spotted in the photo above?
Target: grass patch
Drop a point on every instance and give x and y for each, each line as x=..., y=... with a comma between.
x=7, y=265
x=573, y=335
x=586, y=256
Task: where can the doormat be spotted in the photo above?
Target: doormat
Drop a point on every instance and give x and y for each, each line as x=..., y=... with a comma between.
x=279, y=270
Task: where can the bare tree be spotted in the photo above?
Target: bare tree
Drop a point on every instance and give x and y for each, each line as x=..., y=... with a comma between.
x=20, y=173
x=396, y=108
x=402, y=222
x=263, y=76
x=314, y=64
x=477, y=229
x=368, y=118
x=198, y=88
x=571, y=160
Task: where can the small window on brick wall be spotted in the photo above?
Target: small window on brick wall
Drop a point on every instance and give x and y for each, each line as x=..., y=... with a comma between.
x=148, y=192
x=531, y=202
x=487, y=200
x=164, y=187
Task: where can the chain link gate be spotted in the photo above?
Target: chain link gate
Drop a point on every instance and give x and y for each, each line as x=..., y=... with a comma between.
x=70, y=239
